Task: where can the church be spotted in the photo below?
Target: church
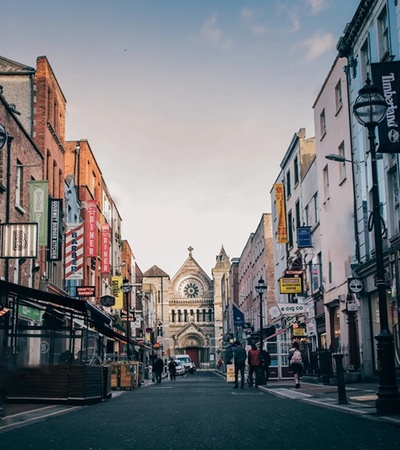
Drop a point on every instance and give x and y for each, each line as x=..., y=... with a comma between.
x=188, y=309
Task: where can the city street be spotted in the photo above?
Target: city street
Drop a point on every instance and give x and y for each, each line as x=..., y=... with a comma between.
x=199, y=411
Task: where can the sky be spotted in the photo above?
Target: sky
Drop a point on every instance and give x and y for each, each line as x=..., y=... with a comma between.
x=188, y=105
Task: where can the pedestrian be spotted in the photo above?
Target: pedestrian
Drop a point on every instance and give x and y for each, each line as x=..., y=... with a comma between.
x=253, y=359
x=172, y=369
x=239, y=358
x=296, y=363
x=265, y=362
x=220, y=365
x=158, y=367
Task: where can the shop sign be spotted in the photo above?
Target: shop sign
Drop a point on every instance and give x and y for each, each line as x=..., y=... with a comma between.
x=292, y=285
x=85, y=291
x=291, y=308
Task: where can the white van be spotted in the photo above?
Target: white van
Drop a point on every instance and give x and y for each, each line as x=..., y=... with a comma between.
x=188, y=364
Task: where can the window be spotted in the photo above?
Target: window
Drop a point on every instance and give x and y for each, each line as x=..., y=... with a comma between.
x=19, y=186
x=307, y=214
x=342, y=165
x=296, y=170
x=383, y=35
x=322, y=123
x=338, y=95
x=316, y=206
x=326, y=182
x=290, y=229
x=393, y=200
x=288, y=185
x=298, y=218
x=93, y=183
x=364, y=61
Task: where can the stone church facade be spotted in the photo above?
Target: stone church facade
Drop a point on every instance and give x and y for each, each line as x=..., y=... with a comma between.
x=191, y=309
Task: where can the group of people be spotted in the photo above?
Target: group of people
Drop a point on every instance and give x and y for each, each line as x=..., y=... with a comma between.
x=158, y=369
x=258, y=361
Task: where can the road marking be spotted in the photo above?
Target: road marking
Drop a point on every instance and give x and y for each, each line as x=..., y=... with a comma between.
x=33, y=419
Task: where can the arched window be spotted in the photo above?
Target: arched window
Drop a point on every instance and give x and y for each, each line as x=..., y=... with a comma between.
x=173, y=315
x=185, y=315
x=210, y=315
x=179, y=315
x=198, y=315
x=204, y=315
x=191, y=315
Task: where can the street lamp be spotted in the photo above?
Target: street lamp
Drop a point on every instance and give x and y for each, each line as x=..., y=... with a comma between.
x=260, y=289
x=337, y=158
x=126, y=288
x=370, y=109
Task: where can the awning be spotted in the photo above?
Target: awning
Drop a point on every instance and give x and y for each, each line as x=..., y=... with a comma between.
x=66, y=304
x=281, y=331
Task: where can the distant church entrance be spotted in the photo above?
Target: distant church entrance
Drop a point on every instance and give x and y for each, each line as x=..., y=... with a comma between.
x=193, y=353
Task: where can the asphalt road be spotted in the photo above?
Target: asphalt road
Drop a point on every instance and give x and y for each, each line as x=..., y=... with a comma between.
x=202, y=411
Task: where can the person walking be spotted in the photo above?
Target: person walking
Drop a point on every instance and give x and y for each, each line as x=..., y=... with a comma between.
x=172, y=369
x=158, y=367
x=265, y=362
x=253, y=359
x=239, y=358
x=296, y=363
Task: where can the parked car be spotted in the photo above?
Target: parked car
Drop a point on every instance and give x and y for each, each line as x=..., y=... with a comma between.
x=188, y=364
x=180, y=370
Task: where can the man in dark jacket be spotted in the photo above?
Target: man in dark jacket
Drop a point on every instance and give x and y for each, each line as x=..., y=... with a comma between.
x=239, y=357
x=158, y=367
x=265, y=362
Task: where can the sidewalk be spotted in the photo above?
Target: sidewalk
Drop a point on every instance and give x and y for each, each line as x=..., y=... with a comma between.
x=360, y=397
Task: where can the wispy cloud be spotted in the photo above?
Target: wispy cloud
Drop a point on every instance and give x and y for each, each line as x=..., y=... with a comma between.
x=317, y=45
x=246, y=13
x=210, y=32
x=249, y=17
x=294, y=20
x=317, y=5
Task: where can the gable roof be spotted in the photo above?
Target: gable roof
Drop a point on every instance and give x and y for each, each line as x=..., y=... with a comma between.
x=7, y=66
x=155, y=271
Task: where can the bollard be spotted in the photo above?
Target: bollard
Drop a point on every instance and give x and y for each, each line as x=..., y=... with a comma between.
x=340, y=379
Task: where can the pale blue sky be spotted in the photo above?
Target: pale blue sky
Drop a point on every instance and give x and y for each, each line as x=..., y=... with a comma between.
x=189, y=106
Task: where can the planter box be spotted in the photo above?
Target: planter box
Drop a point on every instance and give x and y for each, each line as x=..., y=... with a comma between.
x=57, y=383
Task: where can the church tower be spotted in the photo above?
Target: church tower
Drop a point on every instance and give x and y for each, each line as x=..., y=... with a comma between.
x=220, y=275
x=191, y=312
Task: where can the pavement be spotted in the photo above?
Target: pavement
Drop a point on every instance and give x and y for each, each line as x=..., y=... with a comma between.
x=359, y=398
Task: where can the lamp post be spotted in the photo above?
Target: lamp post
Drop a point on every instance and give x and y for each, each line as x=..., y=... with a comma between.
x=126, y=288
x=260, y=289
x=370, y=109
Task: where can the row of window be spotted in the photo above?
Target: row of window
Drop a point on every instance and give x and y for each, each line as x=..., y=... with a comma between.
x=192, y=316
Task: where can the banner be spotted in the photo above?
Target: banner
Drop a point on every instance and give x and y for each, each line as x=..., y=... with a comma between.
x=386, y=77
x=238, y=317
x=279, y=191
x=55, y=230
x=39, y=208
x=91, y=228
x=19, y=240
x=116, y=283
x=74, y=252
x=105, y=248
